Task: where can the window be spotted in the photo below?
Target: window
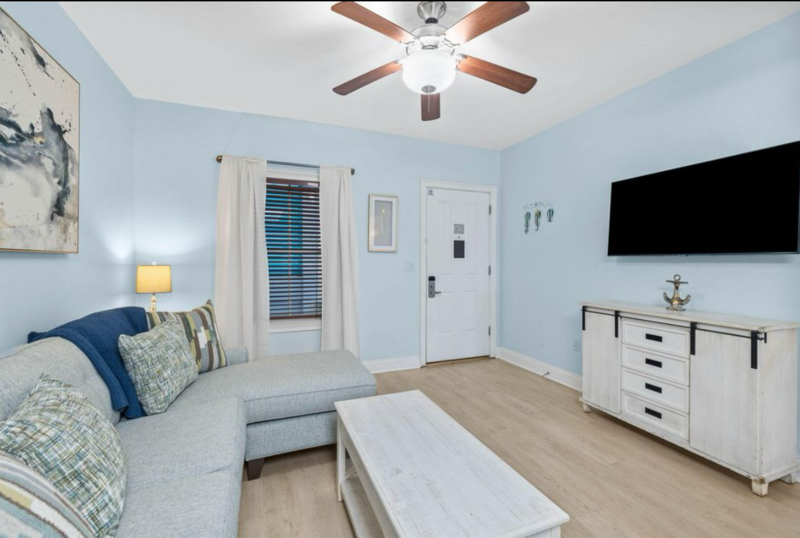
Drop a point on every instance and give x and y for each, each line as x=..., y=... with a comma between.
x=294, y=248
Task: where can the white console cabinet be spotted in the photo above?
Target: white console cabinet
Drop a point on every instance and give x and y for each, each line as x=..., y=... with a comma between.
x=723, y=387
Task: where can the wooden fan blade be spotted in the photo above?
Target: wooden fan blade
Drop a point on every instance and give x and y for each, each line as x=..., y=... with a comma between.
x=370, y=19
x=430, y=107
x=489, y=15
x=368, y=78
x=501, y=76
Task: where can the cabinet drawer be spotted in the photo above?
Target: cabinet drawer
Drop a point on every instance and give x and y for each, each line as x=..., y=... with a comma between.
x=656, y=415
x=656, y=365
x=656, y=391
x=674, y=341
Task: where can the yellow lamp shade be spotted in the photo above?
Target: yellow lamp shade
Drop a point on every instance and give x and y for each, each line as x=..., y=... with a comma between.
x=153, y=279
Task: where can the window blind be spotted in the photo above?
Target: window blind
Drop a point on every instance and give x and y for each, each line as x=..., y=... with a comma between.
x=294, y=249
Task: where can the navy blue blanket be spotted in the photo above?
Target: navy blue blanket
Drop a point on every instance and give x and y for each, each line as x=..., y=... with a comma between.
x=97, y=335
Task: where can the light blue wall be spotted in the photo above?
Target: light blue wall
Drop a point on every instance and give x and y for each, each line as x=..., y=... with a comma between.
x=176, y=186
x=743, y=97
x=39, y=291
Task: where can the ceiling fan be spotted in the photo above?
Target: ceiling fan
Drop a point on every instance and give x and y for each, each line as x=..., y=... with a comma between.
x=431, y=65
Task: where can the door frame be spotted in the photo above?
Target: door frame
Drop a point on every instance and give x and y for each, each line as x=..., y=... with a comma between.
x=426, y=184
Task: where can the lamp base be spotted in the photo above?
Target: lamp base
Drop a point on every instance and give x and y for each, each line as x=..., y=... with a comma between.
x=153, y=302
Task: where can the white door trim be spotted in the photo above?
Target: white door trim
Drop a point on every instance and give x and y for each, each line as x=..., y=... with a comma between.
x=426, y=184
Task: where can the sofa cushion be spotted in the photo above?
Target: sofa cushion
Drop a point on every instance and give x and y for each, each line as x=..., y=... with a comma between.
x=21, y=368
x=285, y=386
x=200, y=328
x=205, y=506
x=59, y=433
x=97, y=335
x=197, y=440
x=160, y=364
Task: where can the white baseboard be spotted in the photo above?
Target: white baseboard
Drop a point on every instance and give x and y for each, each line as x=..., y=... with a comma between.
x=559, y=375
x=392, y=365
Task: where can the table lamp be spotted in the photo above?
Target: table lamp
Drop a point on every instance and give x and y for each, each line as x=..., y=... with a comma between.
x=153, y=279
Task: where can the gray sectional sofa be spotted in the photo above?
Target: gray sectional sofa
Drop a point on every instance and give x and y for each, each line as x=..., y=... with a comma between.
x=184, y=467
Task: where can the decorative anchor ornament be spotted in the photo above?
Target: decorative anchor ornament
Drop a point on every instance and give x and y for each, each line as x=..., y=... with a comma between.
x=675, y=302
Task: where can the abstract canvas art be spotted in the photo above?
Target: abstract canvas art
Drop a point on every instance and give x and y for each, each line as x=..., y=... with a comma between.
x=39, y=146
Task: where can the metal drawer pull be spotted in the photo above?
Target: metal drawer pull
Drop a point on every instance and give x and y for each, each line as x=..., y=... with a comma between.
x=651, y=412
x=651, y=362
x=654, y=337
x=654, y=388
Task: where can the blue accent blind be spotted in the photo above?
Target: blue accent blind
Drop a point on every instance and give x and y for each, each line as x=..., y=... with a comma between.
x=294, y=249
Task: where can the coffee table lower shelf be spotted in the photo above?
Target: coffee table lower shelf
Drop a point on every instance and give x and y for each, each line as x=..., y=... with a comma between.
x=363, y=519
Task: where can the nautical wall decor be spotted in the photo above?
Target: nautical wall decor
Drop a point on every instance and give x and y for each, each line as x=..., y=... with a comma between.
x=536, y=210
x=39, y=146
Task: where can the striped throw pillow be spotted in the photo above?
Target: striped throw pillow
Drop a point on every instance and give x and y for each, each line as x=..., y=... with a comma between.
x=159, y=363
x=31, y=506
x=60, y=434
x=200, y=327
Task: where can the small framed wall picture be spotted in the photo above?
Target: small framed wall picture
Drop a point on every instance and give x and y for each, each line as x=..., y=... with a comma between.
x=382, y=223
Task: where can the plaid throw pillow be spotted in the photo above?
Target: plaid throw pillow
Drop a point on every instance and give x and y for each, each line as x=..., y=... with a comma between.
x=31, y=506
x=160, y=365
x=58, y=433
x=200, y=327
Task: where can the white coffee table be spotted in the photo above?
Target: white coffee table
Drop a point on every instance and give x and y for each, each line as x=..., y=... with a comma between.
x=416, y=472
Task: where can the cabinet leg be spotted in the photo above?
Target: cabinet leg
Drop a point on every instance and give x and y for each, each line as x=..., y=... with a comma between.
x=587, y=409
x=760, y=488
x=790, y=478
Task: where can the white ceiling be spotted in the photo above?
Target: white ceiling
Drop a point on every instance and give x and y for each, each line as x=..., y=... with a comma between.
x=283, y=59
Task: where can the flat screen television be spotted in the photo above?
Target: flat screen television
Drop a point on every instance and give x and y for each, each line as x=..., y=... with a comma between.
x=745, y=204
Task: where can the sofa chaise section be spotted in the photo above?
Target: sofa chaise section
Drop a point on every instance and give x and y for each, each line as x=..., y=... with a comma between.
x=289, y=399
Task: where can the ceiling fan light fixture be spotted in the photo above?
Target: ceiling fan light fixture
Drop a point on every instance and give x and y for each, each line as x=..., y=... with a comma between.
x=430, y=66
x=429, y=71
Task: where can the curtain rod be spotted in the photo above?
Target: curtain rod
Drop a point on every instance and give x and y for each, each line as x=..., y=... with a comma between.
x=283, y=163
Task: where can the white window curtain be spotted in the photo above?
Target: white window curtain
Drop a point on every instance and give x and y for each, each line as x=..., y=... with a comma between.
x=242, y=273
x=339, y=260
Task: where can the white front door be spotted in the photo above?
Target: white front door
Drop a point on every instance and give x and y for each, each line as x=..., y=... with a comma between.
x=458, y=300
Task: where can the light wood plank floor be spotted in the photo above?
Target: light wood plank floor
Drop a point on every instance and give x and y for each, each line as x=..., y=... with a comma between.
x=611, y=479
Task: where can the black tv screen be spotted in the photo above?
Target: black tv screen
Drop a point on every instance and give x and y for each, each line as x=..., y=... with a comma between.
x=745, y=204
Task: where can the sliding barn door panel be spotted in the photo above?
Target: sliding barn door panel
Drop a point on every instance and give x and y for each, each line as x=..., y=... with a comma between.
x=724, y=398
x=601, y=362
